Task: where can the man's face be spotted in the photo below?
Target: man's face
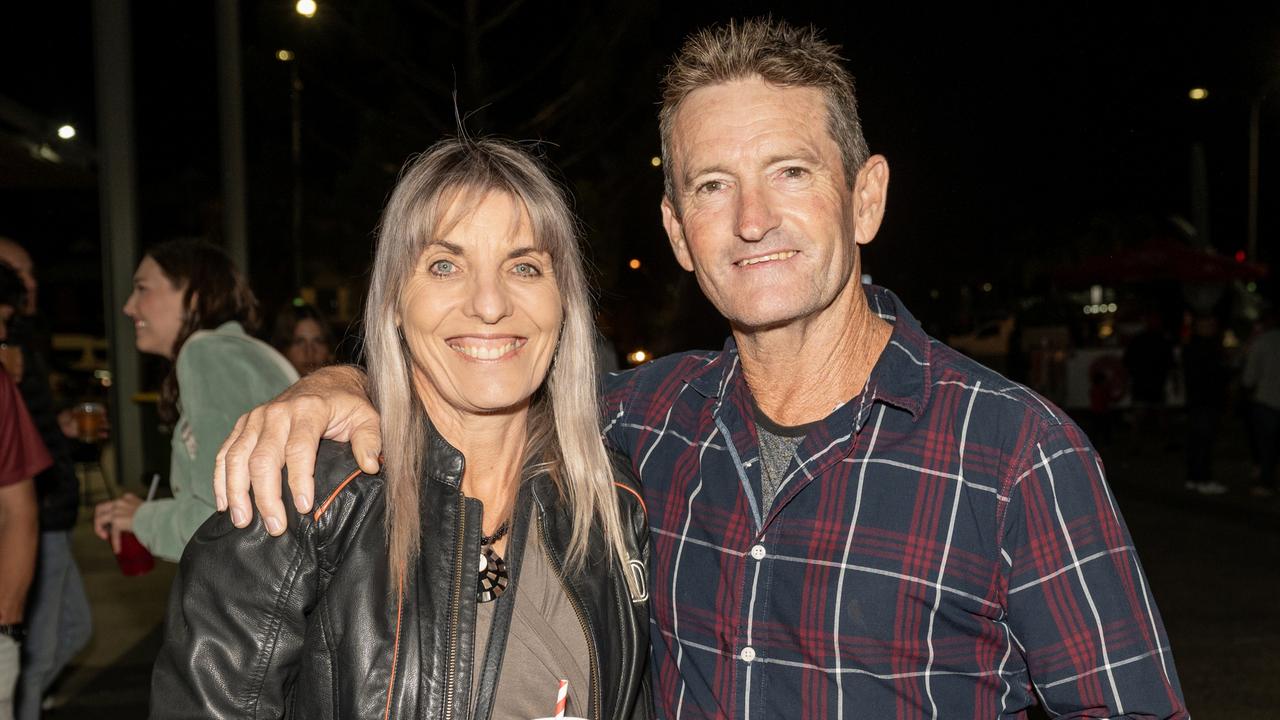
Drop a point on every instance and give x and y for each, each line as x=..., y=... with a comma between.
x=767, y=219
x=14, y=256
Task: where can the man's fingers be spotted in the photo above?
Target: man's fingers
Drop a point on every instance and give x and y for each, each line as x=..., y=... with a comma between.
x=236, y=466
x=220, y=465
x=265, y=463
x=115, y=542
x=366, y=444
x=300, y=457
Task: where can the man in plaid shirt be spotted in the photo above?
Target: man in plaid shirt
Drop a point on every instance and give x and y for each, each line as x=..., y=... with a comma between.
x=849, y=519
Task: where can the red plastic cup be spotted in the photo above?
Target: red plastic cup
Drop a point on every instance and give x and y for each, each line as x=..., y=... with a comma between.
x=133, y=558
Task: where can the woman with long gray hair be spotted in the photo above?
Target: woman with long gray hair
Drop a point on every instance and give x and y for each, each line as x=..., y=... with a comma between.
x=496, y=563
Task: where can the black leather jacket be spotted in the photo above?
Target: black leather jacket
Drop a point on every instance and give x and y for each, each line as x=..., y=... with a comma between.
x=313, y=624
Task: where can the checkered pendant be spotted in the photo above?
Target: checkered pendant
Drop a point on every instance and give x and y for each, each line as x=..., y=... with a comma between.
x=492, y=580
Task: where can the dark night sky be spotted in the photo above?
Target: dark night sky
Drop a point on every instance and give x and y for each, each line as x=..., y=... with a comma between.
x=1012, y=132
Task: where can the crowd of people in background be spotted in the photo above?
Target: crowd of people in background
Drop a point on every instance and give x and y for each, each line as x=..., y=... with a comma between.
x=190, y=305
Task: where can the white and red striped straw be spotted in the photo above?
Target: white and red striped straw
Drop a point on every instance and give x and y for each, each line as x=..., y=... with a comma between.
x=562, y=699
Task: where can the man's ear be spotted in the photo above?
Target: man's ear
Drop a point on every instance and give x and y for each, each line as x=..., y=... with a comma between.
x=675, y=234
x=870, y=193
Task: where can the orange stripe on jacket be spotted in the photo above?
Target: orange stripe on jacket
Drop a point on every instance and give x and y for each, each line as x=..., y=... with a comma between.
x=329, y=500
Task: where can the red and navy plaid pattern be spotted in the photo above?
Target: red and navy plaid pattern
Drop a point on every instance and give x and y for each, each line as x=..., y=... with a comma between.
x=944, y=545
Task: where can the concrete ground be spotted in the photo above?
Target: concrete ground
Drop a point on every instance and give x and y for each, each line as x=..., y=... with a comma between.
x=1212, y=563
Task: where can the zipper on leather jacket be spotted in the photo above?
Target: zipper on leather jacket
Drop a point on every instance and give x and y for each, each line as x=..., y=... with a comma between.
x=582, y=620
x=456, y=610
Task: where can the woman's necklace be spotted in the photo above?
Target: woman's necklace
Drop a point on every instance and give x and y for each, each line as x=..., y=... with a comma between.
x=492, y=580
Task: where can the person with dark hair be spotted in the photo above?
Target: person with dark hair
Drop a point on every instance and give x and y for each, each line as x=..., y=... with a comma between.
x=190, y=305
x=59, y=621
x=302, y=335
x=22, y=457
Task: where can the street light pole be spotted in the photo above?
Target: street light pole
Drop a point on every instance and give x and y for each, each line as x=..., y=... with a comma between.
x=295, y=100
x=1255, y=120
x=231, y=130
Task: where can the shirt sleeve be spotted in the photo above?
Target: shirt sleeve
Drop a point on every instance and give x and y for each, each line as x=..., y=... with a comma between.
x=22, y=453
x=219, y=381
x=1078, y=602
x=618, y=391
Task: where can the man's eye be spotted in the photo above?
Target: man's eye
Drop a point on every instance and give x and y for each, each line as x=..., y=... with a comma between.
x=711, y=186
x=443, y=267
x=526, y=269
x=794, y=172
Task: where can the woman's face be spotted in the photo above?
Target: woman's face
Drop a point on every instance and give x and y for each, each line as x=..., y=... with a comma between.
x=481, y=313
x=308, y=350
x=155, y=306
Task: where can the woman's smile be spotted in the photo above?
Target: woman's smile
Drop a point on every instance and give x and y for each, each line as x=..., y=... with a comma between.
x=487, y=348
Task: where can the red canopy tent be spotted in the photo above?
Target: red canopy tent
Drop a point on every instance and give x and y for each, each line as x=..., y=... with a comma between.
x=1157, y=259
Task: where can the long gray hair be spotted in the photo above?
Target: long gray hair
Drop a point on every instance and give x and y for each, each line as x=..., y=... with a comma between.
x=563, y=432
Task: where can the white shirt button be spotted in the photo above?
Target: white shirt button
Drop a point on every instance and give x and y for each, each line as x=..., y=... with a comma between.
x=748, y=654
x=757, y=552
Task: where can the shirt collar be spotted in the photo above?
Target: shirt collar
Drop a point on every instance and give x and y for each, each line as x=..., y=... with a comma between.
x=900, y=377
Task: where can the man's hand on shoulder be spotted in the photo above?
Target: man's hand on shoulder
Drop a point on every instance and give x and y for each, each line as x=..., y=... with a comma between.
x=330, y=403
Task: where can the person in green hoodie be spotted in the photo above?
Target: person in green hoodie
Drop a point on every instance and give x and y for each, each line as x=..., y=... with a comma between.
x=191, y=305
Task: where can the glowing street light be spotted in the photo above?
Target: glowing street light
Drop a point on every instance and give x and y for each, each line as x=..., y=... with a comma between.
x=66, y=132
x=306, y=8
x=634, y=264
x=655, y=161
x=638, y=357
x=284, y=55
x=1198, y=93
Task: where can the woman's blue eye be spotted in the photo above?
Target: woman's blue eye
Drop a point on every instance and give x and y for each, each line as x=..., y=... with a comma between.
x=442, y=267
x=527, y=269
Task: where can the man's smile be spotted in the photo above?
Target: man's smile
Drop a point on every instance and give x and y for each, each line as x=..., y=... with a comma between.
x=771, y=257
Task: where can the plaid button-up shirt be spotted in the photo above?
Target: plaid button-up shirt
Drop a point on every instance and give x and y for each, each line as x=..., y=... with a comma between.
x=943, y=545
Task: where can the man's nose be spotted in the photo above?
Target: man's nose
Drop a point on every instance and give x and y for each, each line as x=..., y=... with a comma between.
x=756, y=214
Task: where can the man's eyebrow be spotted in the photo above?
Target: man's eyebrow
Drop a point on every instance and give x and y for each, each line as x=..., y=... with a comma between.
x=689, y=176
x=804, y=155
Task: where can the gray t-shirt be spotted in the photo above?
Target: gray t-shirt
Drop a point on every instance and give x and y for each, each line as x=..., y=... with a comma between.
x=778, y=445
x=544, y=644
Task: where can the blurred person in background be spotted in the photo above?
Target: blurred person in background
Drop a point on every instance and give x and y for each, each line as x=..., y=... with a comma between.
x=302, y=335
x=1262, y=380
x=1206, y=377
x=1148, y=358
x=22, y=456
x=191, y=305
x=59, y=622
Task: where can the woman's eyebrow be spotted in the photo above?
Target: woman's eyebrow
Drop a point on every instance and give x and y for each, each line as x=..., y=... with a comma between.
x=448, y=246
x=529, y=250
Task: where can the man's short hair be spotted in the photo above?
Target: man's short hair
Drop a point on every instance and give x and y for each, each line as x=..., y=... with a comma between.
x=777, y=52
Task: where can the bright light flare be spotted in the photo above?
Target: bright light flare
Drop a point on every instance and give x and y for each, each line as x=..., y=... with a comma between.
x=306, y=8
x=66, y=132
